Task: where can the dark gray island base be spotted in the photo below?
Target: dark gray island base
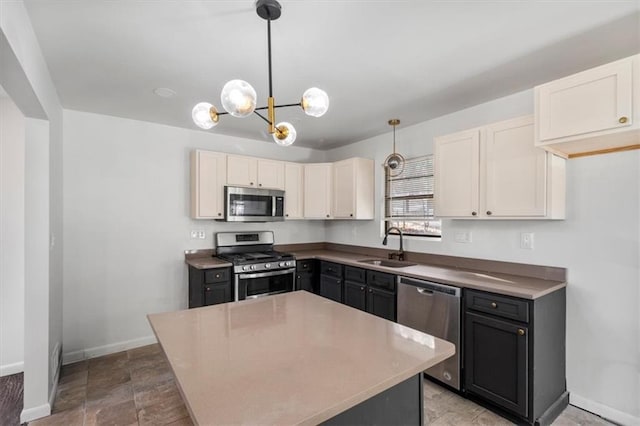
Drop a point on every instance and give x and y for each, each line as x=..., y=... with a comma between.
x=400, y=405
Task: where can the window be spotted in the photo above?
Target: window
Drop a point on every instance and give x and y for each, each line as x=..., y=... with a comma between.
x=409, y=199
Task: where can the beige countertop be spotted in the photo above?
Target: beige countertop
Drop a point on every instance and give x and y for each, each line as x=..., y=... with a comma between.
x=293, y=358
x=510, y=285
x=208, y=262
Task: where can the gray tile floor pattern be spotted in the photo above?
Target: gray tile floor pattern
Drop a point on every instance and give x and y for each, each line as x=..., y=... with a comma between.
x=137, y=388
x=443, y=407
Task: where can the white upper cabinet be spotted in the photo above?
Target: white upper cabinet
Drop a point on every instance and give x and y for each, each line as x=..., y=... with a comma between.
x=353, y=189
x=271, y=174
x=208, y=178
x=457, y=161
x=293, y=191
x=318, y=190
x=496, y=172
x=255, y=172
x=594, y=110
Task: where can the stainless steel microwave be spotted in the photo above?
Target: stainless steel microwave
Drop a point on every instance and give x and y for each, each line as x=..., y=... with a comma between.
x=253, y=204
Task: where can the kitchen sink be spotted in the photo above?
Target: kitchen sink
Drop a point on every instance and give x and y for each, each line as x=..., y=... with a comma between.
x=388, y=263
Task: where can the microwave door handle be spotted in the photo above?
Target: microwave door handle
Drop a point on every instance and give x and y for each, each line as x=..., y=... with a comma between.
x=273, y=206
x=267, y=274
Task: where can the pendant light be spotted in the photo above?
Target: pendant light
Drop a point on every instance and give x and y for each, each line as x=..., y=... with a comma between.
x=239, y=98
x=394, y=162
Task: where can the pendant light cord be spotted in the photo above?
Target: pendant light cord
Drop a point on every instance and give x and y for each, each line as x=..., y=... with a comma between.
x=394, y=139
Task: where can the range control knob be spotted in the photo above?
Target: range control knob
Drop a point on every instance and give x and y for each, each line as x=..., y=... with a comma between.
x=283, y=264
x=245, y=268
x=267, y=265
x=253, y=266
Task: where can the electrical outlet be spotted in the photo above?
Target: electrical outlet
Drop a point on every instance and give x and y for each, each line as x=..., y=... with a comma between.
x=526, y=240
x=194, y=234
x=463, y=237
x=202, y=235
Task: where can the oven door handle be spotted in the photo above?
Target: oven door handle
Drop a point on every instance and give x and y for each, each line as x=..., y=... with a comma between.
x=266, y=274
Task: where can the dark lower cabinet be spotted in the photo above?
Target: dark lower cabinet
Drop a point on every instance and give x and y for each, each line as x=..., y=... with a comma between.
x=307, y=275
x=217, y=293
x=331, y=288
x=514, y=354
x=355, y=295
x=381, y=303
x=497, y=361
x=209, y=286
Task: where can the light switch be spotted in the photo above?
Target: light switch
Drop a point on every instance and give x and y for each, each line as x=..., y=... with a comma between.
x=194, y=234
x=202, y=235
x=526, y=240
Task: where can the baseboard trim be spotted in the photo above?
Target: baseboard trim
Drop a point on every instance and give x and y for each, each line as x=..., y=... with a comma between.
x=81, y=355
x=30, y=414
x=604, y=411
x=9, y=369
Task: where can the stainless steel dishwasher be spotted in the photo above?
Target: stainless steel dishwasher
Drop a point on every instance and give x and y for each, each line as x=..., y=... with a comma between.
x=433, y=309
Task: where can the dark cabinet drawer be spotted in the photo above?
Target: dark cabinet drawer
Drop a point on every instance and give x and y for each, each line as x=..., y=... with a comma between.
x=307, y=265
x=331, y=269
x=357, y=275
x=216, y=275
x=500, y=306
x=381, y=280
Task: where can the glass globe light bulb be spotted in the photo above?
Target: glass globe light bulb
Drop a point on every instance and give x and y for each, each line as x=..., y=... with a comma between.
x=315, y=102
x=285, y=134
x=204, y=115
x=238, y=98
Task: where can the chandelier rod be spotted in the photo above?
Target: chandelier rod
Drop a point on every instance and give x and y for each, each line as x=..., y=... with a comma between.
x=269, y=50
x=280, y=106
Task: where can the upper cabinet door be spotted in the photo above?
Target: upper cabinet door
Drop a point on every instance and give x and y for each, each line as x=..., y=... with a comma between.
x=270, y=174
x=293, y=187
x=457, y=162
x=318, y=190
x=516, y=180
x=595, y=100
x=344, y=191
x=242, y=171
x=208, y=177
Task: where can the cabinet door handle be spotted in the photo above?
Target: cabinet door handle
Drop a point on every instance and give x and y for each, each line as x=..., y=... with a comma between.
x=494, y=305
x=287, y=215
x=259, y=184
x=327, y=215
x=622, y=120
x=219, y=214
x=338, y=282
x=370, y=291
x=351, y=215
x=488, y=212
x=251, y=183
x=362, y=288
x=474, y=213
x=520, y=332
x=217, y=275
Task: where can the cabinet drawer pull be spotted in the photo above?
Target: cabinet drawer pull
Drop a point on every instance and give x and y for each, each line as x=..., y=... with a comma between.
x=351, y=215
x=299, y=277
x=251, y=183
x=219, y=214
x=494, y=305
x=370, y=291
x=362, y=288
x=622, y=120
x=520, y=332
x=217, y=275
x=488, y=212
x=327, y=215
x=259, y=184
x=474, y=213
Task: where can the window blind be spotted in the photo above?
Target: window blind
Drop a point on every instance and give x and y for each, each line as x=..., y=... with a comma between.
x=409, y=198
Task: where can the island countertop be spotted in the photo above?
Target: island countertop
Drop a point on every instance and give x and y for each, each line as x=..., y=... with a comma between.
x=293, y=358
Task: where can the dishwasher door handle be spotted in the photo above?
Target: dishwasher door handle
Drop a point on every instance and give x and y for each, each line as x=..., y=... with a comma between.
x=424, y=291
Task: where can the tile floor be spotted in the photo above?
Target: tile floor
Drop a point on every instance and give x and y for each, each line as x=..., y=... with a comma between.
x=136, y=387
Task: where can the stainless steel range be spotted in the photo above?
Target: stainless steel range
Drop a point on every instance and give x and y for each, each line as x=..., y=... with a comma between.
x=258, y=269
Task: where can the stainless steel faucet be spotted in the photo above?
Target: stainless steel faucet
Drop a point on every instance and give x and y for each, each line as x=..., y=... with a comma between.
x=400, y=253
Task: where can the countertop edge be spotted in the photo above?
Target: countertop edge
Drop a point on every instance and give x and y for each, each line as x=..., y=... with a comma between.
x=513, y=292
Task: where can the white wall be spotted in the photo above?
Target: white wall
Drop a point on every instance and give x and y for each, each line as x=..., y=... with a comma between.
x=11, y=238
x=127, y=224
x=598, y=243
x=25, y=77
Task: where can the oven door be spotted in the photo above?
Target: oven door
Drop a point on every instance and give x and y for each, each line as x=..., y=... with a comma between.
x=250, y=286
x=253, y=204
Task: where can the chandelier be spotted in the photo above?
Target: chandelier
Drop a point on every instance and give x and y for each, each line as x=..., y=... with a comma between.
x=238, y=98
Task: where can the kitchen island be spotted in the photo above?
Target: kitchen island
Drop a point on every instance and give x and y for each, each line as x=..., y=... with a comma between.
x=296, y=358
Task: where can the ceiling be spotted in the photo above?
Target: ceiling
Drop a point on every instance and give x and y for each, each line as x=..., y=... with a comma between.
x=414, y=60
